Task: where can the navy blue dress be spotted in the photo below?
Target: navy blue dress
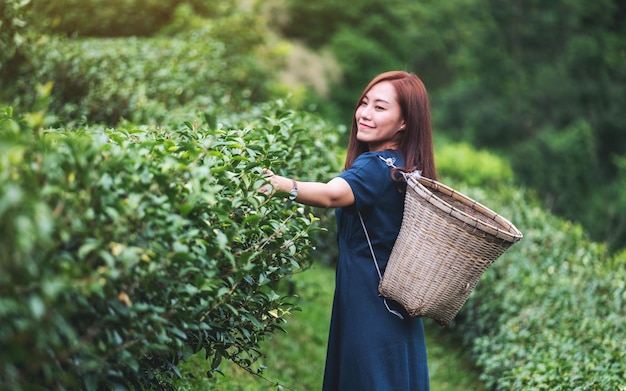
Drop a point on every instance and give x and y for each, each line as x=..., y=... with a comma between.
x=370, y=348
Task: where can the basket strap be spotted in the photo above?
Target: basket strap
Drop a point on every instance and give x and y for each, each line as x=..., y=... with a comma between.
x=391, y=162
x=380, y=276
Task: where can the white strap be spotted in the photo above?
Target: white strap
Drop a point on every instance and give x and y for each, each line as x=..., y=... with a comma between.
x=391, y=162
x=380, y=276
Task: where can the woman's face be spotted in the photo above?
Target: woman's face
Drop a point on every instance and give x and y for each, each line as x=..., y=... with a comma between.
x=379, y=117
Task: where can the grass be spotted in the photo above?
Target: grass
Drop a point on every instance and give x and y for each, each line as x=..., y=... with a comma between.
x=295, y=360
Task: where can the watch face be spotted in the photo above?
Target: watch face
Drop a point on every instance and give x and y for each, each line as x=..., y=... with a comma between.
x=294, y=192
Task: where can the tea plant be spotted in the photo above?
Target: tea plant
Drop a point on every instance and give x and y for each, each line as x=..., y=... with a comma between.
x=124, y=251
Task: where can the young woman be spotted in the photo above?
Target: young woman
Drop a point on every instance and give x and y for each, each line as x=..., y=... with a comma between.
x=373, y=344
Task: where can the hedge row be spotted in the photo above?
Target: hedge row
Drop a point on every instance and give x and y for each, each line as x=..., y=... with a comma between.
x=124, y=251
x=117, y=18
x=549, y=315
x=147, y=80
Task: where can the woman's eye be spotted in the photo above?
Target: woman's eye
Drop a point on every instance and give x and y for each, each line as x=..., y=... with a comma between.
x=379, y=108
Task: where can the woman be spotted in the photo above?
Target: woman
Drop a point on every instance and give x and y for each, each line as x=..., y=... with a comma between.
x=373, y=343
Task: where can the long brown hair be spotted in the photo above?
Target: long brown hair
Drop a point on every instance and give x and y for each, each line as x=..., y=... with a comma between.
x=415, y=143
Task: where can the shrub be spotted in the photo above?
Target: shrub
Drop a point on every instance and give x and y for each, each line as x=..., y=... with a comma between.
x=105, y=81
x=12, y=30
x=560, y=164
x=102, y=18
x=124, y=251
x=549, y=314
x=616, y=213
x=117, y=18
x=147, y=80
x=461, y=163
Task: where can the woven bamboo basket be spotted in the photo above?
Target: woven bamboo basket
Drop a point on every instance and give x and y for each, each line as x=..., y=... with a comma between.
x=446, y=242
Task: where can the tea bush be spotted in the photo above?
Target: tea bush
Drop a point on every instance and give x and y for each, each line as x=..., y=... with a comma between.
x=124, y=251
x=109, y=18
x=194, y=64
x=117, y=18
x=549, y=315
x=12, y=30
x=461, y=163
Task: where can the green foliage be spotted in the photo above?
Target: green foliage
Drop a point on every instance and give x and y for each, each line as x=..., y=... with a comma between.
x=8, y=125
x=295, y=359
x=570, y=154
x=107, y=80
x=558, y=63
x=460, y=163
x=500, y=74
x=116, y=18
x=357, y=65
x=559, y=69
x=124, y=251
x=549, y=314
x=112, y=18
x=12, y=29
x=616, y=213
x=566, y=165
x=194, y=66
x=370, y=37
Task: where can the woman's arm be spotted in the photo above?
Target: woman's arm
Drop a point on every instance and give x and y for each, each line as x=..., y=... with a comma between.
x=335, y=194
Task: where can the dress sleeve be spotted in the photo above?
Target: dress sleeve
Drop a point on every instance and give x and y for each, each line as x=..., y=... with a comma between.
x=368, y=178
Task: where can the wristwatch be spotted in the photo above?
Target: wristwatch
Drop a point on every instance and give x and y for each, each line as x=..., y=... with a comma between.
x=294, y=192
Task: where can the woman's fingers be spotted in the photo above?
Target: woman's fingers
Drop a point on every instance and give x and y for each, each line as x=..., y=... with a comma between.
x=268, y=188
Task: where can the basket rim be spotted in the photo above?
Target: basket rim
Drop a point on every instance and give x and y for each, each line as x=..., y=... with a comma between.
x=421, y=186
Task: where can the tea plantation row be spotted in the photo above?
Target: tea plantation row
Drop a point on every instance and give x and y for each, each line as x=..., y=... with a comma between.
x=549, y=315
x=126, y=250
